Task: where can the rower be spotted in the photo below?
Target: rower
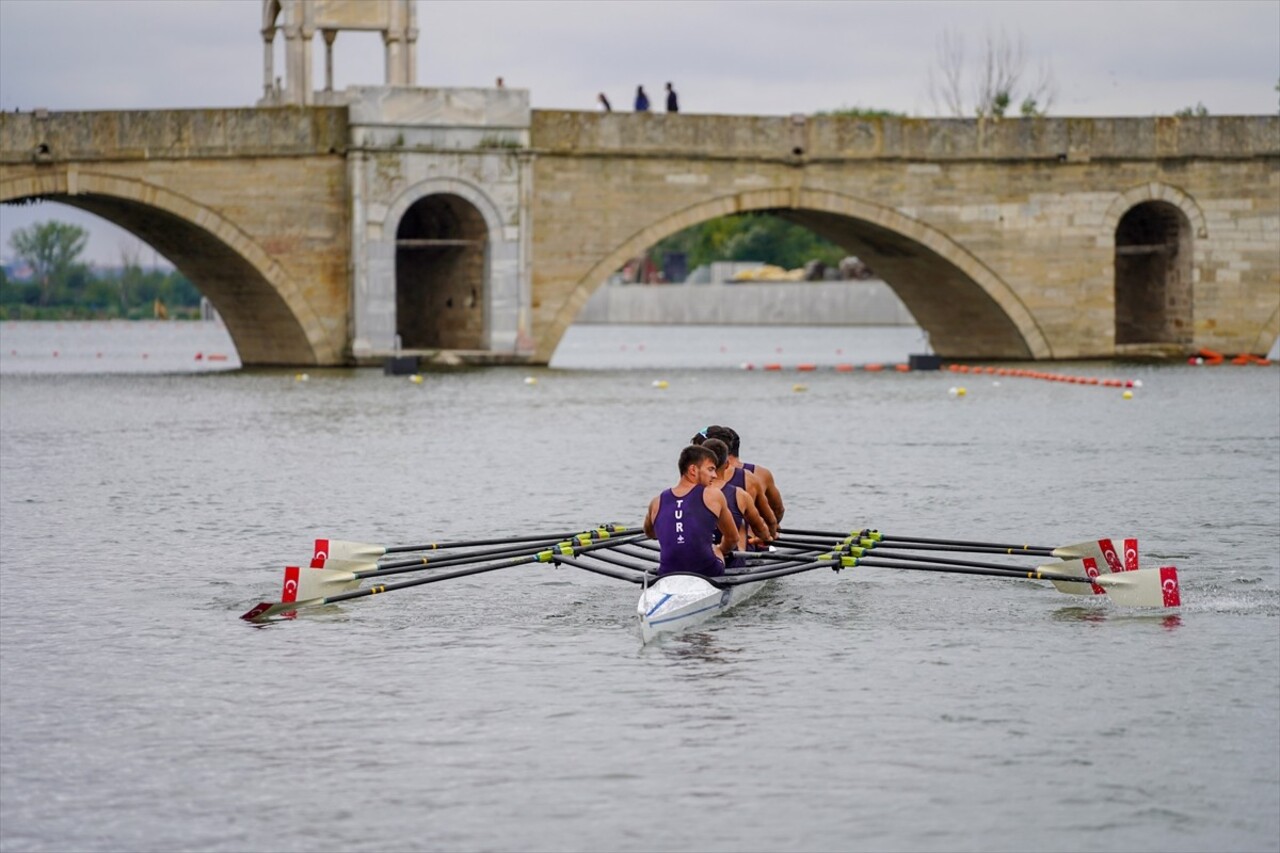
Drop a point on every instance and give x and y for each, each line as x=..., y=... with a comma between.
x=741, y=506
x=754, y=477
x=685, y=517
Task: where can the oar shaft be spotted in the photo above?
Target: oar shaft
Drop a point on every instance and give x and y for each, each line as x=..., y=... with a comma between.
x=992, y=547
x=782, y=570
x=477, y=543
x=920, y=558
x=634, y=575
x=964, y=570
x=419, y=563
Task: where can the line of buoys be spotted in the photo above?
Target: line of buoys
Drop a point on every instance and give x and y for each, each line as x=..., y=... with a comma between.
x=1051, y=377
x=1212, y=358
x=808, y=367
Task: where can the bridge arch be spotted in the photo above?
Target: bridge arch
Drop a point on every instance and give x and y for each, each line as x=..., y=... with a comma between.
x=266, y=315
x=966, y=308
x=1156, y=191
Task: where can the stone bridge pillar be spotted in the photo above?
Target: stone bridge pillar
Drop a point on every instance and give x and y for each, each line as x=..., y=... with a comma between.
x=439, y=186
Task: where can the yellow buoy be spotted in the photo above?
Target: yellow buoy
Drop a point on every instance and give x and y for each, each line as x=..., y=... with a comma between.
x=416, y=379
x=1128, y=395
x=300, y=377
x=659, y=383
x=798, y=387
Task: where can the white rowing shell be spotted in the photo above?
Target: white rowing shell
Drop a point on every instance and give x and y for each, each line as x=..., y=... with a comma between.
x=676, y=602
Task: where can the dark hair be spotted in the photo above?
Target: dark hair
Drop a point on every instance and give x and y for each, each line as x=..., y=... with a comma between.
x=694, y=455
x=725, y=434
x=719, y=448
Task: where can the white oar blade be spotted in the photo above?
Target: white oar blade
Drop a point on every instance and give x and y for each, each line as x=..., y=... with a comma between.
x=342, y=565
x=1109, y=557
x=337, y=549
x=319, y=583
x=1144, y=587
x=1088, y=567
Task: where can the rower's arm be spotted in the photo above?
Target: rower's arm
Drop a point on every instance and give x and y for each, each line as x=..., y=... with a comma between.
x=771, y=492
x=755, y=487
x=648, y=519
x=753, y=517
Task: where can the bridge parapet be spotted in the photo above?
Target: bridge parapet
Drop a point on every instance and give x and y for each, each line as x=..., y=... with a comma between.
x=53, y=137
x=801, y=139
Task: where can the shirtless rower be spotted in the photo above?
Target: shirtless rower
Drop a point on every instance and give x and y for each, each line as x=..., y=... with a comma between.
x=685, y=517
x=751, y=477
x=741, y=505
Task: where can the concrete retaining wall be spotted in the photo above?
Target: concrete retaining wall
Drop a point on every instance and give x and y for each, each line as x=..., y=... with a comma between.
x=817, y=303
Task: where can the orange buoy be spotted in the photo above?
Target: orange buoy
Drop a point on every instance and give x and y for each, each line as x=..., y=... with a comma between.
x=874, y=367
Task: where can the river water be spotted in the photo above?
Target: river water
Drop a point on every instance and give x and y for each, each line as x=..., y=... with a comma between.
x=144, y=507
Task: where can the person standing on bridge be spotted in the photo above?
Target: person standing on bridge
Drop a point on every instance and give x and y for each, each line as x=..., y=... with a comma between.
x=673, y=103
x=685, y=517
x=642, y=100
x=604, y=103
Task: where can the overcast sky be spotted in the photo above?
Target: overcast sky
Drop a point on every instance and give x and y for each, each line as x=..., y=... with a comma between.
x=1117, y=58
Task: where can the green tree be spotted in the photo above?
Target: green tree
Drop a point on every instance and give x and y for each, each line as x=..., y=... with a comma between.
x=749, y=237
x=53, y=250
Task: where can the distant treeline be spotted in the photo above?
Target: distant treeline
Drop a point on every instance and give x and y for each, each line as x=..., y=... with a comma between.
x=55, y=285
x=85, y=294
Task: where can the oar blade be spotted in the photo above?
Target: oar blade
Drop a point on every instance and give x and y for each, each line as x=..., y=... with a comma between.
x=338, y=549
x=267, y=611
x=319, y=582
x=1144, y=587
x=1088, y=567
x=1109, y=557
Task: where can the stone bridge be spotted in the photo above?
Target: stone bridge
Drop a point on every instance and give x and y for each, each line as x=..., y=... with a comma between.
x=459, y=219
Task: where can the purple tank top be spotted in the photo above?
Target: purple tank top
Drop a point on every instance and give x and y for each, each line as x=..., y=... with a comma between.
x=739, y=520
x=684, y=527
x=731, y=495
x=739, y=479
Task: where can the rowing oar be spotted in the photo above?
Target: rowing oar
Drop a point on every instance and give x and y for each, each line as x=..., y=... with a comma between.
x=635, y=575
x=1087, y=565
x=338, y=549
x=449, y=559
x=341, y=575
x=788, y=566
x=265, y=610
x=1137, y=588
x=1102, y=549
